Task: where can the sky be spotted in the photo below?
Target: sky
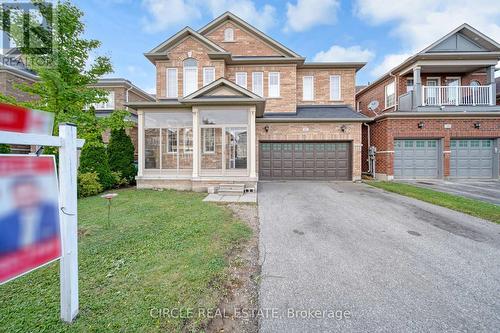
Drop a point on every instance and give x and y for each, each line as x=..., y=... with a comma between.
x=380, y=32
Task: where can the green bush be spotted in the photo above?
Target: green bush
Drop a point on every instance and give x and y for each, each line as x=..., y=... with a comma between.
x=4, y=149
x=94, y=158
x=121, y=154
x=119, y=180
x=88, y=184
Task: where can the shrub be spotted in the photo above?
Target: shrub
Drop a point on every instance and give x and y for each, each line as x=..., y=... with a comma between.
x=121, y=154
x=88, y=184
x=119, y=180
x=94, y=158
x=4, y=149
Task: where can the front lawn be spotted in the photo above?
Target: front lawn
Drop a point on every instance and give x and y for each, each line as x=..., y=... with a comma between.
x=472, y=207
x=163, y=250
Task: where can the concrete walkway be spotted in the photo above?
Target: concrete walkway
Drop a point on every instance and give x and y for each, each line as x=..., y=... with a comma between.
x=371, y=261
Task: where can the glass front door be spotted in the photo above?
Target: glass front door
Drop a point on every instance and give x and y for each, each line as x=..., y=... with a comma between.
x=236, y=148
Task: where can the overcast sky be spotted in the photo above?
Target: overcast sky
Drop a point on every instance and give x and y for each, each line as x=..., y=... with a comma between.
x=381, y=32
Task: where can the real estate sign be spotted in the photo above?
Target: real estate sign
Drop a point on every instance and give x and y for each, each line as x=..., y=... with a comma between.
x=29, y=214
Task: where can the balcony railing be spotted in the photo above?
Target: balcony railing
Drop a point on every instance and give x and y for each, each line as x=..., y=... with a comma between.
x=457, y=95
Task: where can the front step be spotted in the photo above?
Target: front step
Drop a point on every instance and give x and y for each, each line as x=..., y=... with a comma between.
x=231, y=189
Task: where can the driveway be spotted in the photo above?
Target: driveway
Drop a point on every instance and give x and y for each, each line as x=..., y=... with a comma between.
x=386, y=262
x=485, y=190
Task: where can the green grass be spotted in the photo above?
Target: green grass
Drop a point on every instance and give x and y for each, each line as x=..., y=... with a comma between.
x=163, y=250
x=472, y=207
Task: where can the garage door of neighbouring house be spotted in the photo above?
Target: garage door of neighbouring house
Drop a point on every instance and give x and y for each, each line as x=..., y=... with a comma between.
x=305, y=160
x=416, y=159
x=471, y=158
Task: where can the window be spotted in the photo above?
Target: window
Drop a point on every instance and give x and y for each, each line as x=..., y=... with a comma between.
x=172, y=83
x=258, y=83
x=274, y=84
x=172, y=140
x=190, y=76
x=308, y=88
x=208, y=140
x=389, y=95
x=241, y=79
x=188, y=140
x=409, y=85
x=208, y=75
x=108, y=104
x=335, y=87
x=229, y=35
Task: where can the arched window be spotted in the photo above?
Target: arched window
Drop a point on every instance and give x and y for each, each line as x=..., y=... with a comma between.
x=475, y=83
x=190, y=76
x=229, y=35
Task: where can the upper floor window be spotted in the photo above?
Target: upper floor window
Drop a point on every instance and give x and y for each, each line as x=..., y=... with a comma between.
x=390, y=95
x=172, y=90
x=335, y=88
x=241, y=79
x=190, y=76
x=308, y=88
x=108, y=104
x=229, y=35
x=409, y=85
x=274, y=84
x=258, y=83
x=208, y=75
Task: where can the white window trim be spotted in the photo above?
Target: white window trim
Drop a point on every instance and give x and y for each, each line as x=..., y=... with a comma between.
x=109, y=104
x=312, y=88
x=333, y=98
x=176, y=80
x=278, y=95
x=232, y=34
x=459, y=78
x=244, y=74
x=169, y=152
x=385, y=95
x=184, y=80
x=412, y=86
x=186, y=151
x=204, y=151
x=205, y=70
x=261, y=93
x=438, y=78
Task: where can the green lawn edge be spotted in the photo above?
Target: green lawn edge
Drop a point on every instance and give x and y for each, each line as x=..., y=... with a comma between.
x=477, y=208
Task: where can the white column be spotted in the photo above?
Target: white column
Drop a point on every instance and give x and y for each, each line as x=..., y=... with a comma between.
x=140, y=142
x=69, y=222
x=253, y=142
x=196, y=142
x=417, y=88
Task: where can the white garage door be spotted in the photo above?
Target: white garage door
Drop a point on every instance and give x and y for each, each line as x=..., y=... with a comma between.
x=416, y=159
x=471, y=158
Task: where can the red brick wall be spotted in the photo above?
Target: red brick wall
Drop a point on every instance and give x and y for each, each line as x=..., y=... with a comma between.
x=375, y=92
x=385, y=131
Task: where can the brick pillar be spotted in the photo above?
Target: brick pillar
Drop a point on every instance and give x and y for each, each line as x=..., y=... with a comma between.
x=446, y=156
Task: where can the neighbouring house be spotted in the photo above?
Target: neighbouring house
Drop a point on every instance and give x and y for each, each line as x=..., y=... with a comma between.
x=435, y=114
x=497, y=80
x=235, y=106
x=120, y=92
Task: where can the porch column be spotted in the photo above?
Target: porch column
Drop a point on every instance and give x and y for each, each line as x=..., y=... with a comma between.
x=490, y=77
x=140, y=142
x=417, y=87
x=253, y=142
x=196, y=142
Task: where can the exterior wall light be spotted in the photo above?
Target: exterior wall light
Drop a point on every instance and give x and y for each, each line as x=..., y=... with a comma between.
x=266, y=128
x=343, y=128
x=477, y=125
x=421, y=125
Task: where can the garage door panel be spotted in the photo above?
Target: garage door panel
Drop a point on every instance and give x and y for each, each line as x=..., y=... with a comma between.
x=415, y=159
x=305, y=160
x=471, y=158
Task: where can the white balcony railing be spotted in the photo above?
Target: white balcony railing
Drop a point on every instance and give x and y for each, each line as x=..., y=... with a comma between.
x=457, y=95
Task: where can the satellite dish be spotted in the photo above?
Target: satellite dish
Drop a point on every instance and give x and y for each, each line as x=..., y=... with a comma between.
x=373, y=105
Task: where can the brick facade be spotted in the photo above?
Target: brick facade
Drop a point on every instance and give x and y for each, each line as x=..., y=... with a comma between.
x=314, y=132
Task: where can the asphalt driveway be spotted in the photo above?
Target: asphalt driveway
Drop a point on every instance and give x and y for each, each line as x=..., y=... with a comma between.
x=349, y=257
x=484, y=190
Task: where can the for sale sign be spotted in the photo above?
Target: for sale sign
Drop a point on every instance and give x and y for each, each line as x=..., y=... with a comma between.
x=18, y=119
x=29, y=214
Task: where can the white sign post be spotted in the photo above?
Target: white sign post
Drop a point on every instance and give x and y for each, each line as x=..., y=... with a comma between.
x=68, y=145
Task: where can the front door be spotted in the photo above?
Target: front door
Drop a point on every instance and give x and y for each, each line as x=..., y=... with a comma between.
x=432, y=92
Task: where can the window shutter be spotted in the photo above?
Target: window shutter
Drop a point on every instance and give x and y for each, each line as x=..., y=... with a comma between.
x=308, y=88
x=258, y=83
x=335, y=88
x=172, y=83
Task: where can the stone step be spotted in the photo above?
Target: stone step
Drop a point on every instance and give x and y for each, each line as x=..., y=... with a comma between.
x=231, y=189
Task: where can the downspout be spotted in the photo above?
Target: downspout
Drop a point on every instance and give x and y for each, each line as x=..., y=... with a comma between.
x=368, y=149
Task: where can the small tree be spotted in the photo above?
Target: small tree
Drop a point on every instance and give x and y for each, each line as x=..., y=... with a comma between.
x=121, y=154
x=4, y=149
x=94, y=158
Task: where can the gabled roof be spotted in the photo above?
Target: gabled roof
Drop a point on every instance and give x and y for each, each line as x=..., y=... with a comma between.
x=233, y=91
x=121, y=82
x=238, y=21
x=160, y=51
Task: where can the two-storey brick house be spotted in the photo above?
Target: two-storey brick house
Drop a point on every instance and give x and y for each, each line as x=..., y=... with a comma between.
x=435, y=114
x=235, y=106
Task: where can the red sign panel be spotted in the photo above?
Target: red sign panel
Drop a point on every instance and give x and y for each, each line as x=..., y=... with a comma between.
x=19, y=119
x=29, y=214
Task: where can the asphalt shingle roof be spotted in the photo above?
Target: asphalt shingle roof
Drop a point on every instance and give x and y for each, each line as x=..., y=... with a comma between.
x=318, y=112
